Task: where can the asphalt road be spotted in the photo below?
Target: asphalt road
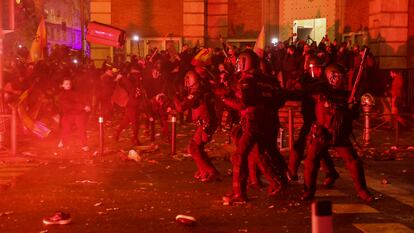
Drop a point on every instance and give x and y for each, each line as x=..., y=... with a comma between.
x=109, y=194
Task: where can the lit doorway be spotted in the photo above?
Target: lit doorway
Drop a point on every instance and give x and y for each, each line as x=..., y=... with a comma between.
x=314, y=29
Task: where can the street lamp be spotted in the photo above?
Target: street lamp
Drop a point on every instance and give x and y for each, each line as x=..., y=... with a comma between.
x=274, y=41
x=135, y=38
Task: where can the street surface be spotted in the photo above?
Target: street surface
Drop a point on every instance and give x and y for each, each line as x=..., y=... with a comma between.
x=110, y=194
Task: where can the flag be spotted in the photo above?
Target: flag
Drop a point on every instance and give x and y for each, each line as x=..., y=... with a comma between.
x=39, y=42
x=37, y=127
x=203, y=58
x=260, y=44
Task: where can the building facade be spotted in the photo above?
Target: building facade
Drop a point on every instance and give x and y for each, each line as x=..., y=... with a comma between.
x=63, y=24
x=386, y=26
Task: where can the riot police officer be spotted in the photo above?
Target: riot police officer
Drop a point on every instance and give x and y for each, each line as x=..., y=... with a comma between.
x=249, y=101
x=201, y=102
x=332, y=129
x=313, y=77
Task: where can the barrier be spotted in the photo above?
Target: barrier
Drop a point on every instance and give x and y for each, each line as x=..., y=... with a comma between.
x=291, y=121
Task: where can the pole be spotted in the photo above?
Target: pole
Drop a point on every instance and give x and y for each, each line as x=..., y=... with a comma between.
x=11, y=15
x=82, y=25
x=173, y=134
x=291, y=138
x=367, y=125
x=152, y=128
x=13, y=133
x=2, y=121
x=101, y=135
x=1, y=51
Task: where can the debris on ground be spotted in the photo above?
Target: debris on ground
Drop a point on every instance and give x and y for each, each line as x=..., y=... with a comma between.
x=98, y=204
x=152, y=161
x=384, y=181
x=186, y=220
x=112, y=209
x=58, y=218
x=28, y=153
x=133, y=155
x=385, y=156
x=6, y=213
x=282, y=210
x=86, y=182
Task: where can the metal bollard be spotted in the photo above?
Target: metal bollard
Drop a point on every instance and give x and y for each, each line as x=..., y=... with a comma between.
x=152, y=128
x=173, y=134
x=101, y=136
x=368, y=103
x=366, y=136
x=291, y=132
x=13, y=133
x=322, y=217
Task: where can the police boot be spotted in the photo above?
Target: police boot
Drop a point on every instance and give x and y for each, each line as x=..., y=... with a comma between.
x=210, y=176
x=308, y=194
x=275, y=188
x=330, y=179
x=366, y=196
x=234, y=199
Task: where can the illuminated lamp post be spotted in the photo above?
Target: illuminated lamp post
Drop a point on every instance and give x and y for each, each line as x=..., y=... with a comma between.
x=135, y=39
x=274, y=41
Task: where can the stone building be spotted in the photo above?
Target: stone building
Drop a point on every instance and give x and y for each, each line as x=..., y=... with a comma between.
x=386, y=26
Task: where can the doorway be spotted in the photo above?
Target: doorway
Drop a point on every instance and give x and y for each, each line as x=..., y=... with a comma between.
x=314, y=29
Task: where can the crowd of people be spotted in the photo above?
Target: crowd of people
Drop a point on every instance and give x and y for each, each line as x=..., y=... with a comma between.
x=227, y=87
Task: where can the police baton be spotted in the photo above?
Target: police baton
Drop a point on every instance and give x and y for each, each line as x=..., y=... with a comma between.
x=322, y=217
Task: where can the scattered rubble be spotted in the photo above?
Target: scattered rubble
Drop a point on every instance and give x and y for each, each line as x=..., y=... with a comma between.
x=186, y=220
